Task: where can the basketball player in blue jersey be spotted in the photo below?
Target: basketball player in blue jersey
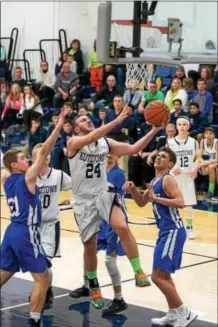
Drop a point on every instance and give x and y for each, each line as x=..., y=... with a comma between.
x=87, y=153
x=21, y=246
x=108, y=241
x=166, y=198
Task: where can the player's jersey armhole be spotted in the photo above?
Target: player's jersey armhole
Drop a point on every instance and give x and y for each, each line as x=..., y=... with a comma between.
x=74, y=154
x=109, y=148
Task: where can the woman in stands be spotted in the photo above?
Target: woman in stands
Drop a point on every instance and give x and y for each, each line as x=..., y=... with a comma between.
x=176, y=92
x=189, y=87
x=30, y=108
x=77, y=54
x=206, y=74
x=131, y=95
x=60, y=62
x=13, y=104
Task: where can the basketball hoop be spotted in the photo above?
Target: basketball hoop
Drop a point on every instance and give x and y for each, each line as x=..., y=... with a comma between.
x=141, y=73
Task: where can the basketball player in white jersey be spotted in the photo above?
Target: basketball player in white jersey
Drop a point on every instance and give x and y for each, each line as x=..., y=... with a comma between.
x=87, y=153
x=50, y=182
x=185, y=170
x=208, y=152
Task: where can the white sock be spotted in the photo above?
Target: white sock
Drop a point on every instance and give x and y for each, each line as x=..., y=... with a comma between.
x=35, y=315
x=182, y=308
x=118, y=296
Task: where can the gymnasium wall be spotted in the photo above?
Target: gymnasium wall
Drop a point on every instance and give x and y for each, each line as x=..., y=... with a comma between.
x=37, y=20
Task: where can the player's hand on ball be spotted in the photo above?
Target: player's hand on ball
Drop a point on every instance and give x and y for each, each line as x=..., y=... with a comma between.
x=128, y=186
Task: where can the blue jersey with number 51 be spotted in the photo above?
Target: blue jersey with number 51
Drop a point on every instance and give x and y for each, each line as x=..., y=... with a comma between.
x=166, y=218
x=25, y=207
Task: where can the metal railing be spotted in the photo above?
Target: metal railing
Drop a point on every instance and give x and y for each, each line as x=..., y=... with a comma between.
x=34, y=57
x=53, y=50
x=63, y=40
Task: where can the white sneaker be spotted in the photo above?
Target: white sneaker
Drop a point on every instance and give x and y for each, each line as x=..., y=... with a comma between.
x=169, y=319
x=185, y=317
x=190, y=234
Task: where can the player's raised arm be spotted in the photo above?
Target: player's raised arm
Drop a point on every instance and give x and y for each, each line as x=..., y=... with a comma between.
x=140, y=199
x=121, y=149
x=172, y=190
x=34, y=170
x=77, y=142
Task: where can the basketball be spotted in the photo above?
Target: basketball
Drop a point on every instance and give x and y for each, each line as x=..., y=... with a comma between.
x=157, y=113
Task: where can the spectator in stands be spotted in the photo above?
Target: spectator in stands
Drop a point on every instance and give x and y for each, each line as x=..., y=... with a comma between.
x=30, y=107
x=3, y=94
x=58, y=66
x=37, y=134
x=189, y=87
x=197, y=123
x=96, y=69
x=194, y=75
x=2, y=53
x=83, y=111
x=120, y=132
x=18, y=77
x=13, y=104
x=151, y=94
x=56, y=152
x=77, y=54
x=72, y=62
x=204, y=99
x=102, y=114
x=206, y=74
x=176, y=92
x=177, y=111
x=108, y=70
x=170, y=130
x=66, y=134
x=104, y=98
x=180, y=73
x=72, y=114
x=131, y=95
x=66, y=84
x=45, y=82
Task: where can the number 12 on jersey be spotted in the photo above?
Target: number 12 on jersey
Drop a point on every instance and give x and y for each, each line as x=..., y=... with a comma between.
x=92, y=170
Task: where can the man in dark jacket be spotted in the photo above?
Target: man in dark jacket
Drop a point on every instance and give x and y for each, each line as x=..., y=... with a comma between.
x=197, y=123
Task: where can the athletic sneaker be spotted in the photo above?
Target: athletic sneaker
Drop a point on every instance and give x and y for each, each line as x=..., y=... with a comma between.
x=80, y=292
x=114, y=307
x=49, y=300
x=96, y=298
x=141, y=280
x=170, y=319
x=32, y=323
x=190, y=233
x=185, y=317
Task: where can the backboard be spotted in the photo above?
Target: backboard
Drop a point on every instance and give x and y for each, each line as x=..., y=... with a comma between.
x=170, y=33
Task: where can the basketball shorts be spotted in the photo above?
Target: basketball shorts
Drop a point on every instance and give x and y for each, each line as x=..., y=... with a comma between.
x=50, y=238
x=89, y=212
x=168, y=250
x=187, y=187
x=21, y=249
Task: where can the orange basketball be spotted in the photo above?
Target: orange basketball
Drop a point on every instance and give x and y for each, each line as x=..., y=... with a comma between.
x=157, y=113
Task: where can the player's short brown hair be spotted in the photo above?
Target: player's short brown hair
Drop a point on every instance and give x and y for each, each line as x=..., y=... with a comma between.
x=9, y=157
x=210, y=129
x=171, y=154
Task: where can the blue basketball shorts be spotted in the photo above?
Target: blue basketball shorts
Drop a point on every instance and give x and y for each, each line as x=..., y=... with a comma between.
x=168, y=250
x=21, y=249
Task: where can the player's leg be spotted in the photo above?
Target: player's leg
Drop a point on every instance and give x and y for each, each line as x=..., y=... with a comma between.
x=212, y=182
x=189, y=222
x=5, y=276
x=118, y=304
x=119, y=224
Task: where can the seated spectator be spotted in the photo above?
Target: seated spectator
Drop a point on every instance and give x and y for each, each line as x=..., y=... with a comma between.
x=66, y=135
x=83, y=111
x=72, y=114
x=58, y=66
x=176, y=92
x=189, y=87
x=204, y=99
x=64, y=86
x=102, y=114
x=3, y=94
x=207, y=152
x=177, y=111
x=56, y=152
x=108, y=70
x=37, y=134
x=18, y=79
x=13, y=104
x=30, y=109
x=151, y=94
x=72, y=63
x=206, y=74
x=96, y=70
x=77, y=54
x=197, y=123
x=131, y=95
x=45, y=82
x=120, y=132
x=170, y=130
x=104, y=98
x=180, y=74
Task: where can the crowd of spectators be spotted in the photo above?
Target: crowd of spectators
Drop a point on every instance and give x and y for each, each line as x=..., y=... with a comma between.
x=194, y=96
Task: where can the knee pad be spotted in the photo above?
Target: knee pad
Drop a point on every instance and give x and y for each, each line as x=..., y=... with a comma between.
x=111, y=265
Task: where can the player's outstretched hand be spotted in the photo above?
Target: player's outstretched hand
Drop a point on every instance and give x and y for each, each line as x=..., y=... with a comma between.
x=126, y=112
x=128, y=186
x=63, y=114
